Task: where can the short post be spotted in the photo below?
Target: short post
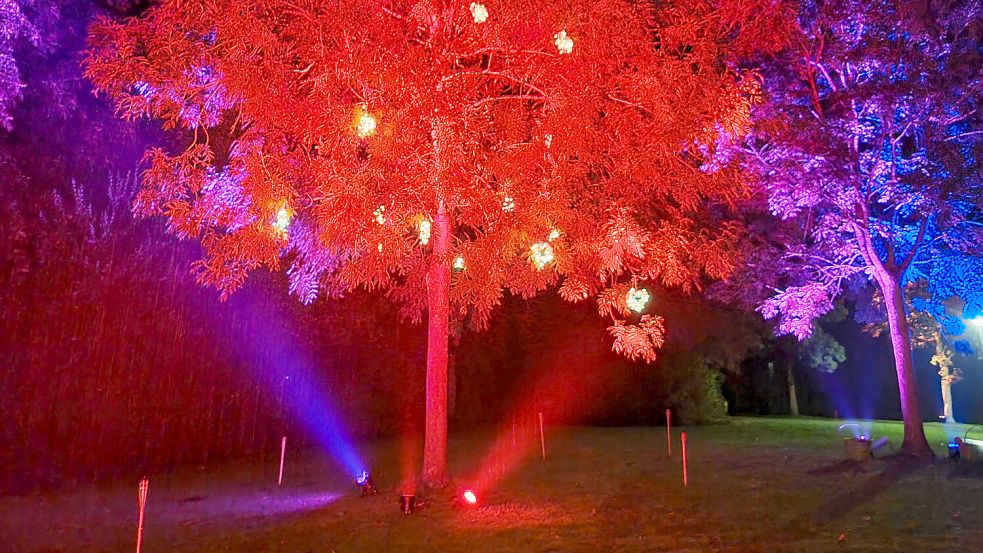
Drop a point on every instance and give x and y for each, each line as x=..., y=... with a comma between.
x=283, y=453
x=682, y=438
x=668, y=433
x=142, y=502
x=542, y=435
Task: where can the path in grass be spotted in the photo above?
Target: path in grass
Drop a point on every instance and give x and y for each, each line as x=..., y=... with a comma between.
x=756, y=485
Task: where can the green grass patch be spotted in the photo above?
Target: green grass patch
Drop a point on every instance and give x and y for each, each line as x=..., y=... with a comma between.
x=756, y=484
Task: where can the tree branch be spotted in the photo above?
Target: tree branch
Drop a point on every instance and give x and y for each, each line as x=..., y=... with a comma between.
x=914, y=248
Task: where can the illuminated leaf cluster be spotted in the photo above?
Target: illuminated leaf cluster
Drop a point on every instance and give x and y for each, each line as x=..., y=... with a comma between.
x=593, y=127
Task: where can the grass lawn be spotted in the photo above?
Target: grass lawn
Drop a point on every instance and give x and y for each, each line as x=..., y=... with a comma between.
x=763, y=484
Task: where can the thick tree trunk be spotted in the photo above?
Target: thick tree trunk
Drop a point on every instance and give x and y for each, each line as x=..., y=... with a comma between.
x=914, y=433
x=438, y=305
x=947, y=397
x=793, y=401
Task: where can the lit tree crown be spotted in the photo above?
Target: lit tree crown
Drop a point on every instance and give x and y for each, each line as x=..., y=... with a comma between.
x=575, y=140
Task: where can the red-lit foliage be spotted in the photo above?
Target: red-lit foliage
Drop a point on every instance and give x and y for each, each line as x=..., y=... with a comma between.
x=492, y=130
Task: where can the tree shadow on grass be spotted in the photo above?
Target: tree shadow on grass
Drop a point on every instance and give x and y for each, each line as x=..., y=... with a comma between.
x=844, y=467
x=895, y=468
x=963, y=469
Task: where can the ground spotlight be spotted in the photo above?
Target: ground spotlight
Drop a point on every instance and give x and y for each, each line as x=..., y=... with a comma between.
x=954, y=449
x=858, y=449
x=469, y=497
x=365, y=484
x=407, y=502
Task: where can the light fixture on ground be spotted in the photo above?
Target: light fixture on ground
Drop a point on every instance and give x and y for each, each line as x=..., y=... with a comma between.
x=953, y=447
x=469, y=498
x=407, y=502
x=365, y=484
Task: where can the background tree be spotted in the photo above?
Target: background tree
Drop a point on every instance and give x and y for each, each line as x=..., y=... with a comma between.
x=819, y=352
x=931, y=324
x=870, y=140
x=386, y=144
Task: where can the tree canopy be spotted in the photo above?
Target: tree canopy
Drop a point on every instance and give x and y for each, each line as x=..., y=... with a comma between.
x=568, y=143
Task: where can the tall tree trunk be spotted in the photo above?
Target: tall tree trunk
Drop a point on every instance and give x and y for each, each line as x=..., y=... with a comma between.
x=943, y=358
x=438, y=306
x=793, y=402
x=914, y=433
x=946, y=396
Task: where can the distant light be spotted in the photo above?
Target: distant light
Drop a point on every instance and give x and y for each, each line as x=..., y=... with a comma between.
x=458, y=263
x=470, y=497
x=366, y=125
x=380, y=215
x=637, y=299
x=978, y=322
x=282, y=220
x=508, y=204
x=541, y=254
x=479, y=12
x=365, y=484
x=554, y=234
x=564, y=44
x=424, y=232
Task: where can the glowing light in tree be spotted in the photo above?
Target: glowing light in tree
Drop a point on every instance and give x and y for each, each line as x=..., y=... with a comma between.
x=479, y=12
x=282, y=220
x=554, y=234
x=637, y=299
x=563, y=42
x=366, y=125
x=508, y=204
x=541, y=254
x=380, y=247
x=424, y=228
x=470, y=497
x=459, y=263
x=380, y=215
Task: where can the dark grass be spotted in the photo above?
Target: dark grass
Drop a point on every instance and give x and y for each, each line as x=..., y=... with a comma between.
x=769, y=484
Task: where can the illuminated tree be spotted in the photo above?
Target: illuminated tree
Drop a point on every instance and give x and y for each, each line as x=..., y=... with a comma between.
x=871, y=141
x=445, y=152
x=934, y=321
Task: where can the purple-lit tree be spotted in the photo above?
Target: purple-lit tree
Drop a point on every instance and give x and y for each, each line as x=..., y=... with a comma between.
x=871, y=140
x=14, y=27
